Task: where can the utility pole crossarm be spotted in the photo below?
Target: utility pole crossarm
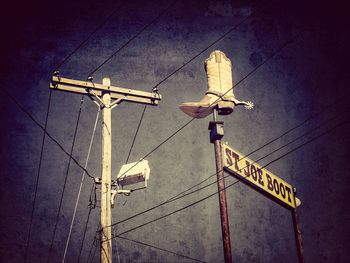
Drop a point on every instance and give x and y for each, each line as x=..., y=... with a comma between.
x=86, y=87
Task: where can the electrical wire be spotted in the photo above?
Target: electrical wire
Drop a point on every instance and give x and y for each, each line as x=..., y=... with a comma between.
x=161, y=249
x=182, y=127
x=45, y=131
x=116, y=246
x=104, y=238
x=287, y=43
x=93, y=243
x=124, y=45
x=256, y=11
x=80, y=187
x=182, y=194
x=89, y=36
x=93, y=255
x=65, y=179
x=38, y=175
x=137, y=131
x=133, y=37
x=91, y=207
x=185, y=64
x=274, y=151
x=234, y=183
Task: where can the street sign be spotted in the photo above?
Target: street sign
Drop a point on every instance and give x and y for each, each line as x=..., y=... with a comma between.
x=258, y=178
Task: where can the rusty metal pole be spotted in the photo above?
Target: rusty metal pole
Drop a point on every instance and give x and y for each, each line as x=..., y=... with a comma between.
x=216, y=133
x=297, y=233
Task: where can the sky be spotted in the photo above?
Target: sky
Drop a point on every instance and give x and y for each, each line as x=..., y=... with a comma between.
x=290, y=59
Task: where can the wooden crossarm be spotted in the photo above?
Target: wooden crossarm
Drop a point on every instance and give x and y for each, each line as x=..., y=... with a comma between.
x=82, y=87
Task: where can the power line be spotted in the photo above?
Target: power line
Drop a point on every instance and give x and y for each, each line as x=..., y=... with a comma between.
x=123, y=46
x=287, y=43
x=38, y=174
x=86, y=223
x=90, y=35
x=81, y=186
x=185, y=64
x=116, y=246
x=274, y=151
x=168, y=76
x=207, y=197
x=266, y=61
x=132, y=38
x=212, y=44
x=239, y=82
x=93, y=255
x=65, y=179
x=94, y=243
x=161, y=249
x=182, y=194
x=137, y=130
x=103, y=249
x=45, y=131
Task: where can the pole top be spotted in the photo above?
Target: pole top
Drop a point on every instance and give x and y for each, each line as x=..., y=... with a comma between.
x=106, y=81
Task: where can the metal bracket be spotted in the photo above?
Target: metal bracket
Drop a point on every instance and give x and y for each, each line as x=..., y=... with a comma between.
x=98, y=180
x=114, y=192
x=93, y=96
x=116, y=102
x=216, y=130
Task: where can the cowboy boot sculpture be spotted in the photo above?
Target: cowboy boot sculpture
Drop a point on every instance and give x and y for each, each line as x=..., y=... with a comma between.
x=220, y=90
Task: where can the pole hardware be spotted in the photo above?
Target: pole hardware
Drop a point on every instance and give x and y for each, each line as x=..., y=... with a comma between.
x=216, y=130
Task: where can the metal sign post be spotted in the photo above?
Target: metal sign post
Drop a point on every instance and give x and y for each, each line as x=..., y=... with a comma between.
x=219, y=98
x=216, y=133
x=297, y=233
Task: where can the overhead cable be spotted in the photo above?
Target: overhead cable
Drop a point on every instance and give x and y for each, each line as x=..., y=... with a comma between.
x=45, y=131
x=215, y=193
x=65, y=180
x=38, y=174
x=133, y=37
x=183, y=193
x=287, y=43
x=80, y=187
x=90, y=35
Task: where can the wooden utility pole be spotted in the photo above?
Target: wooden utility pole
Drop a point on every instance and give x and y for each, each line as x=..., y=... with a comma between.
x=103, y=94
x=216, y=133
x=106, y=236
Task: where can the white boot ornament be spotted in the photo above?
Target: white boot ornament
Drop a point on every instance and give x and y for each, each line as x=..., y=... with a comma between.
x=220, y=90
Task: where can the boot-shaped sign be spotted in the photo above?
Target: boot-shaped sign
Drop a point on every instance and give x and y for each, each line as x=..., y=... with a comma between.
x=220, y=89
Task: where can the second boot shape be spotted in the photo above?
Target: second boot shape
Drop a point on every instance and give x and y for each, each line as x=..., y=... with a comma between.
x=220, y=90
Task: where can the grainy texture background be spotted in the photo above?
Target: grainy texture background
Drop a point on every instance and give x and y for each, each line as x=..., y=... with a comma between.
x=301, y=80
